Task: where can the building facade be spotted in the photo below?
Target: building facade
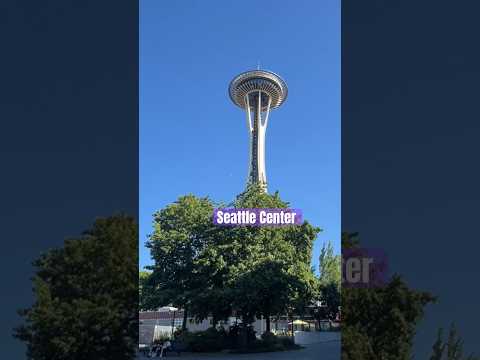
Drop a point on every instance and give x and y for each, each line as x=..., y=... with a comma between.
x=155, y=325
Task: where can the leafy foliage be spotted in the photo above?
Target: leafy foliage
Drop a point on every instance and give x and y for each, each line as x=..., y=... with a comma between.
x=438, y=347
x=271, y=272
x=214, y=271
x=450, y=350
x=379, y=323
x=209, y=340
x=86, y=296
x=330, y=266
x=212, y=340
x=329, y=282
x=188, y=269
x=331, y=297
x=356, y=345
x=143, y=291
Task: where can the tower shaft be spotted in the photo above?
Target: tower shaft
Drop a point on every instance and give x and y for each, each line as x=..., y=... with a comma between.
x=258, y=108
x=257, y=92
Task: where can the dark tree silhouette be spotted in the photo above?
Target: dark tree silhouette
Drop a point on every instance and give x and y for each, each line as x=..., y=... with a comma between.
x=86, y=296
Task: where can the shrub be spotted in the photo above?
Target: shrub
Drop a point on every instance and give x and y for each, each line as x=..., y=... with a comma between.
x=212, y=340
x=204, y=341
x=269, y=339
x=234, y=334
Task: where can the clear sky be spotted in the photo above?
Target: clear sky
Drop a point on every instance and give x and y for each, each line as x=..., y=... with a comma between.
x=194, y=140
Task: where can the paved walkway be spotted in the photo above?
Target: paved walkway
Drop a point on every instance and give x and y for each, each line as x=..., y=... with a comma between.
x=322, y=351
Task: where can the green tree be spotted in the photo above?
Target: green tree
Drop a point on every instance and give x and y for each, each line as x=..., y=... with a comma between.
x=454, y=345
x=330, y=297
x=379, y=323
x=356, y=345
x=438, y=347
x=450, y=350
x=380, y=320
x=86, y=296
x=182, y=233
x=267, y=291
x=329, y=282
x=214, y=271
x=275, y=261
x=330, y=266
x=143, y=289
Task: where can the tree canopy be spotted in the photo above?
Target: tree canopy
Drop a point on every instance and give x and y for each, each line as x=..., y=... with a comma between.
x=329, y=282
x=86, y=299
x=181, y=233
x=380, y=322
x=216, y=271
x=143, y=291
x=450, y=348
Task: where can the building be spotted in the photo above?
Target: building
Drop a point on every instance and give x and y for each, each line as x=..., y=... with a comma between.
x=157, y=324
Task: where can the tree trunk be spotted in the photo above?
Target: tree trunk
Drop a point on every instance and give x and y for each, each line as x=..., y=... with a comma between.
x=184, y=322
x=267, y=322
x=243, y=336
x=291, y=320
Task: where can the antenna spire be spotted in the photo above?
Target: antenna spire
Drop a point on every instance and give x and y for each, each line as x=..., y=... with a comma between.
x=258, y=65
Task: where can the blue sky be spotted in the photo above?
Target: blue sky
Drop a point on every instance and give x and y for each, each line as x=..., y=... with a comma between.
x=194, y=140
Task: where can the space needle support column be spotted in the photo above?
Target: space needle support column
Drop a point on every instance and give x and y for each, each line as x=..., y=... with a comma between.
x=268, y=111
x=249, y=117
x=261, y=127
x=250, y=136
x=261, y=130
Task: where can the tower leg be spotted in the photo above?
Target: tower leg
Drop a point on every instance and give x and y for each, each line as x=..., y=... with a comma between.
x=257, y=128
x=250, y=128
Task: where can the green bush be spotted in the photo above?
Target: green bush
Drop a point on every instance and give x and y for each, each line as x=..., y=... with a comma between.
x=269, y=339
x=210, y=340
x=234, y=334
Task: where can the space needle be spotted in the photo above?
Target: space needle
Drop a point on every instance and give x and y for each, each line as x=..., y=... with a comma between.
x=257, y=92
